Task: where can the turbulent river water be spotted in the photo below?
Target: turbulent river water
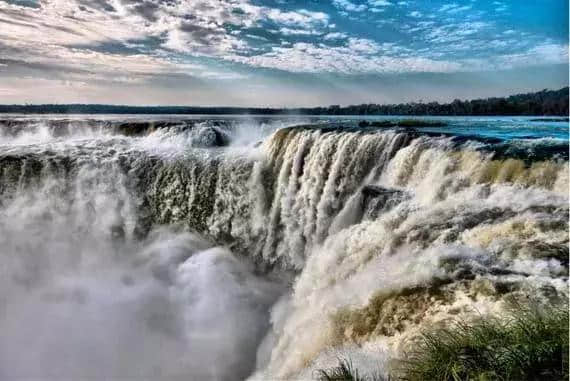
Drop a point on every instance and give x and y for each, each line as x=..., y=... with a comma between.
x=209, y=248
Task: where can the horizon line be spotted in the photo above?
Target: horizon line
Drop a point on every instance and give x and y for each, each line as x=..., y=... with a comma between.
x=271, y=107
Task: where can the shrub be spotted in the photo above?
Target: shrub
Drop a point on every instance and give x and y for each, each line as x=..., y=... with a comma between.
x=531, y=343
x=345, y=371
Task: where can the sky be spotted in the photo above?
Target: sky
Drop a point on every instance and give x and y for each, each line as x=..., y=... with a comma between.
x=279, y=53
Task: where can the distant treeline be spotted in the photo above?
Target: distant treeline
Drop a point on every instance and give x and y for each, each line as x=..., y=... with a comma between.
x=545, y=102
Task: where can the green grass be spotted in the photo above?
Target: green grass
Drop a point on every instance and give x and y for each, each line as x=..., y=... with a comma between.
x=529, y=343
x=345, y=371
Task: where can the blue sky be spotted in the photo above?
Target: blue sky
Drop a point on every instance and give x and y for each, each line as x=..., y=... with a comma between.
x=278, y=53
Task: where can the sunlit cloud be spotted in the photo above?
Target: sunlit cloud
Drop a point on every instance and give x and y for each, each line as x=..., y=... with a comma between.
x=141, y=41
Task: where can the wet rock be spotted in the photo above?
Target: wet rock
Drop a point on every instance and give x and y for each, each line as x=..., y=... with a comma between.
x=117, y=232
x=378, y=191
x=211, y=137
x=377, y=200
x=545, y=250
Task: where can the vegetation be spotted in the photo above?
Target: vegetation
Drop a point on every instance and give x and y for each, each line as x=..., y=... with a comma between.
x=545, y=102
x=345, y=371
x=530, y=343
x=403, y=123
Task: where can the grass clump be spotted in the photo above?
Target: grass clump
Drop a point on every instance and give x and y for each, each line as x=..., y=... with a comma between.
x=531, y=343
x=345, y=371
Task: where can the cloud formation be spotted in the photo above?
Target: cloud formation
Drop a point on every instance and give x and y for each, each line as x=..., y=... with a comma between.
x=141, y=41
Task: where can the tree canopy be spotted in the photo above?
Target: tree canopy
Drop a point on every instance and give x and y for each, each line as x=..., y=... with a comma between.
x=545, y=102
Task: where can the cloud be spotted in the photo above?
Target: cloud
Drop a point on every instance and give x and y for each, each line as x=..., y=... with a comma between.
x=298, y=32
x=335, y=36
x=379, y=3
x=454, y=8
x=137, y=40
x=123, y=35
x=357, y=56
x=349, y=6
x=444, y=34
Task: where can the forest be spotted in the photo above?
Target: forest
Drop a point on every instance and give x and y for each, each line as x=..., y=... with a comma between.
x=545, y=102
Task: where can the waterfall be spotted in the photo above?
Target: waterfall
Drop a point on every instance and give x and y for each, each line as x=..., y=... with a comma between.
x=330, y=240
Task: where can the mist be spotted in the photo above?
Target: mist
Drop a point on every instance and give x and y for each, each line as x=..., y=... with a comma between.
x=82, y=299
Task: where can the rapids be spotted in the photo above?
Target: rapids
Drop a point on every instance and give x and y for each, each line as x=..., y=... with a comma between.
x=239, y=248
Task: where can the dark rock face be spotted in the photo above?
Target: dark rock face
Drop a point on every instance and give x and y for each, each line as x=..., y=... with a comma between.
x=214, y=137
x=312, y=170
x=377, y=200
x=138, y=128
x=371, y=191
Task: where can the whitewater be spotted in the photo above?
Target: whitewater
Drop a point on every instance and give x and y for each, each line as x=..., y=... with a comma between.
x=265, y=248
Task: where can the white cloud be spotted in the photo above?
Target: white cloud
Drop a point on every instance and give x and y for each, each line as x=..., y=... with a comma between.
x=453, y=8
x=302, y=18
x=446, y=33
x=446, y=7
x=298, y=32
x=310, y=58
x=362, y=45
x=379, y=3
x=348, y=6
x=356, y=57
x=460, y=9
x=78, y=34
x=544, y=54
x=86, y=40
x=335, y=36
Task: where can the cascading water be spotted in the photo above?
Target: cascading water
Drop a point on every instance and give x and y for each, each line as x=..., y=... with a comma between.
x=224, y=249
